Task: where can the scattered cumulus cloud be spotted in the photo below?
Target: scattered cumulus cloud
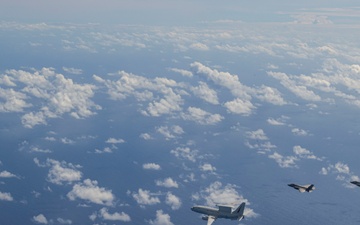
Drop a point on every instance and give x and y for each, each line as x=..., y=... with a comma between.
x=5, y=196
x=170, y=132
x=304, y=153
x=91, y=192
x=239, y=106
x=115, y=141
x=201, y=117
x=199, y=46
x=7, y=174
x=104, y=213
x=151, y=166
x=41, y=219
x=299, y=132
x=61, y=95
x=183, y=72
x=185, y=153
x=173, y=201
x=284, y=161
x=144, y=197
x=257, y=135
x=204, y=92
x=207, y=167
x=167, y=182
x=64, y=221
x=72, y=70
x=62, y=172
x=146, y=136
x=161, y=219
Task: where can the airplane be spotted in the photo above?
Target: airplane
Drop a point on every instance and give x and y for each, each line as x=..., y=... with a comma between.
x=303, y=188
x=357, y=183
x=223, y=211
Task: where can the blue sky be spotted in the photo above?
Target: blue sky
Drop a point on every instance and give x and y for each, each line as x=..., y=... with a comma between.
x=134, y=111
x=164, y=12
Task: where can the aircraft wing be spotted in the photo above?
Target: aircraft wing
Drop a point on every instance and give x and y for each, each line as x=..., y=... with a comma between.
x=302, y=190
x=211, y=219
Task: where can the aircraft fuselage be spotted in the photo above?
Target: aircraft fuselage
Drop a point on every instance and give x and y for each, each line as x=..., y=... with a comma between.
x=214, y=212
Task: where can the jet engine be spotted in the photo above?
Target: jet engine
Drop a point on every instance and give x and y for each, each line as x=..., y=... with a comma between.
x=205, y=217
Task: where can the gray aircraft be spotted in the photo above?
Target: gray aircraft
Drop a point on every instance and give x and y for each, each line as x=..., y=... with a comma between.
x=223, y=211
x=357, y=183
x=303, y=188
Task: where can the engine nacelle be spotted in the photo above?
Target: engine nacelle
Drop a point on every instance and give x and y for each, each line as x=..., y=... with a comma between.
x=205, y=217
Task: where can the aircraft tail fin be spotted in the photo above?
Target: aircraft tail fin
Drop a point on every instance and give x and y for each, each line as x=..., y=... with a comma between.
x=240, y=211
x=310, y=188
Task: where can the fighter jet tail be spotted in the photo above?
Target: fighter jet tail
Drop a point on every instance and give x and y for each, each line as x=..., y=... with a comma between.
x=240, y=211
x=310, y=188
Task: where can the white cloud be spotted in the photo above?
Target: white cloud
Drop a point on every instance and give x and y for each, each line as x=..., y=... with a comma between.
x=257, y=135
x=299, y=132
x=60, y=95
x=173, y=201
x=275, y=122
x=271, y=95
x=239, y=106
x=146, y=136
x=13, y=101
x=161, y=219
x=185, y=73
x=115, y=141
x=164, y=98
x=170, y=103
x=5, y=196
x=170, y=132
x=7, y=80
x=7, y=174
x=185, y=153
x=342, y=168
x=115, y=216
x=105, y=150
x=89, y=191
x=199, y=46
x=204, y=92
x=304, y=153
x=62, y=172
x=72, y=70
x=40, y=219
x=299, y=90
x=144, y=197
x=151, y=166
x=32, y=119
x=37, y=149
x=201, y=117
x=64, y=221
x=67, y=141
x=207, y=167
x=167, y=182
x=224, y=79
x=284, y=161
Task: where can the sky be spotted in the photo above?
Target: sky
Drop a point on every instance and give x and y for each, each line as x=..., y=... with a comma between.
x=132, y=112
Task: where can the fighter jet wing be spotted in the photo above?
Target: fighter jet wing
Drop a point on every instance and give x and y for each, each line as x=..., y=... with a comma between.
x=211, y=219
x=302, y=190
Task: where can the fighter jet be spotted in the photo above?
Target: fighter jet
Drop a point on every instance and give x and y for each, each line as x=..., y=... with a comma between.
x=357, y=183
x=223, y=211
x=303, y=188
